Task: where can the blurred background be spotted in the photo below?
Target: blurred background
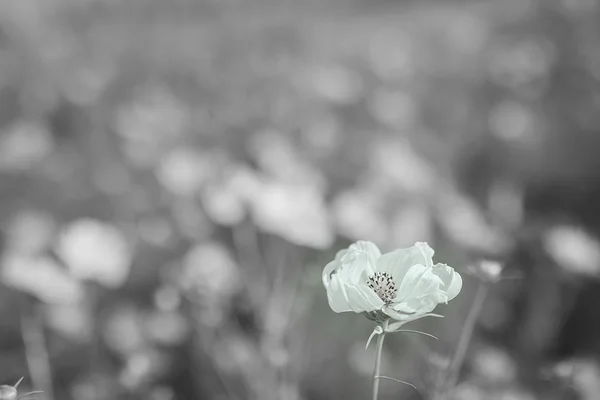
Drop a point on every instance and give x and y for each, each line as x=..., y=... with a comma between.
x=174, y=175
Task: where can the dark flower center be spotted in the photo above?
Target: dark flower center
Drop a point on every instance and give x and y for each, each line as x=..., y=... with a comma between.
x=383, y=285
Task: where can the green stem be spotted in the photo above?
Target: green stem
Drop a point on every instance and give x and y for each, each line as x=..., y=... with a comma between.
x=463, y=343
x=377, y=368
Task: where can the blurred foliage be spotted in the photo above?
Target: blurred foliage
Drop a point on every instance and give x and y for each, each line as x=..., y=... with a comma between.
x=174, y=175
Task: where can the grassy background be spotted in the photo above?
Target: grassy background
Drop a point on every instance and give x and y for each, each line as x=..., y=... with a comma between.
x=216, y=154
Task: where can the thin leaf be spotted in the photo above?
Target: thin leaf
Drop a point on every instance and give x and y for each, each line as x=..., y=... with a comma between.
x=398, y=381
x=377, y=331
x=25, y=395
x=422, y=333
x=16, y=385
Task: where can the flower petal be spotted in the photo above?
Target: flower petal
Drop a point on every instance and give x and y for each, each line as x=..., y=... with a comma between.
x=353, y=261
x=345, y=279
x=337, y=296
x=398, y=262
x=419, y=281
x=359, y=260
x=345, y=297
x=452, y=281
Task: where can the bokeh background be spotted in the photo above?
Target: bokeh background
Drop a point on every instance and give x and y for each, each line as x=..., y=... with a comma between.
x=175, y=174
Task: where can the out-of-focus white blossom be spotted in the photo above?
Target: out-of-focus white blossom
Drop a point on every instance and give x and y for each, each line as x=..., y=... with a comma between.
x=155, y=230
x=396, y=109
x=464, y=223
x=514, y=123
x=40, y=277
x=335, y=83
x=358, y=214
x=392, y=54
x=24, y=145
x=209, y=270
x=166, y=327
x=411, y=222
x=96, y=251
x=583, y=374
x=278, y=158
x=296, y=213
x=72, y=321
x=398, y=161
x=573, y=249
x=183, y=171
x=222, y=204
x=494, y=365
x=123, y=331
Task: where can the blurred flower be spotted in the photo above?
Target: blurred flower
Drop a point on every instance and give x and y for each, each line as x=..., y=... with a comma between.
x=335, y=83
x=358, y=214
x=487, y=270
x=209, y=270
x=494, y=365
x=403, y=284
x=183, y=171
x=191, y=221
x=95, y=387
x=580, y=7
x=517, y=65
x=323, y=135
x=294, y=212
x=24, y=145
x=233, y=353
x=464, y=223
x=153, y=119
x=584, y=374
x=411, y=222
x=396, y=109
x=123, y=331
x=155, y=229
x=154, y=114
x=573, y=249
x=469, y=391
x=94, y=250
x=392, y=54
x=398, y=161
x=40, y=277
x=515, y=393
x=277, y=157
x=162, y=393
x=168, y=328
x=73, y=321
x=167, y=298
x=142, y=367
x=85, y=83
x=222, y=204
x=514, y=123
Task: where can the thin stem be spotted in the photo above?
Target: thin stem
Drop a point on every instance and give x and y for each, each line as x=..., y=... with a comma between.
x=419, y=332
x=463, y=343
x=38, y=360
x=398, y=381
x=377, y=368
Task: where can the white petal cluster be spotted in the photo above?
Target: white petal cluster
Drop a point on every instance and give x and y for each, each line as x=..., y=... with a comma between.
x=403, y=284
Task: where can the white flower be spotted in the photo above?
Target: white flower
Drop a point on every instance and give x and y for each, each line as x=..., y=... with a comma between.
x=404, y=283
x=96, y=251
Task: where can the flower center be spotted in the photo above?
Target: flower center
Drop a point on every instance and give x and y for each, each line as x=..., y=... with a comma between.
x=383, y=285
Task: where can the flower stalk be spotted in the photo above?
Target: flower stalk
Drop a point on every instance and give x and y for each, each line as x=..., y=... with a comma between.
x=463, y=344
x=377, y=367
